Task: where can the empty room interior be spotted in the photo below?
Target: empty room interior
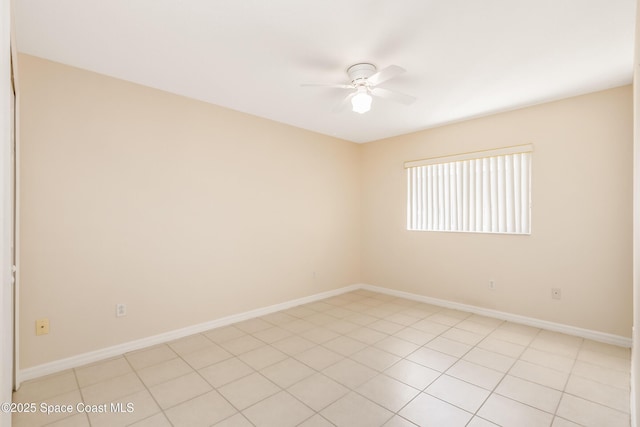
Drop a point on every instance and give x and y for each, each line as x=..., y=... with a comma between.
x=357, y=213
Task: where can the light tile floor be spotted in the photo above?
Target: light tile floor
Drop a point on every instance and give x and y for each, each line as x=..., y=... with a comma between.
x=358, y=359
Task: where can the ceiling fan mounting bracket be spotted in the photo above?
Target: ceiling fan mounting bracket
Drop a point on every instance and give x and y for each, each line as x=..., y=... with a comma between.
x=359, y=73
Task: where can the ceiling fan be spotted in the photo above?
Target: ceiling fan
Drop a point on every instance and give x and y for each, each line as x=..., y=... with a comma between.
x=364, y=84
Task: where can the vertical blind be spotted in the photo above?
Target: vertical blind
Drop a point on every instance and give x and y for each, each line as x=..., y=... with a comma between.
x=488, y=192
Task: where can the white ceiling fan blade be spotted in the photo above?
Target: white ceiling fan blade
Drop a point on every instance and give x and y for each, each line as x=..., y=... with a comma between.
x=385, y=74
x=336, y=85
x=344, y=103
x=393, y=95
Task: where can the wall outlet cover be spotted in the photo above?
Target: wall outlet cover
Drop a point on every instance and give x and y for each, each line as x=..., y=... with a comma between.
x=121, y=310
x=42, y=326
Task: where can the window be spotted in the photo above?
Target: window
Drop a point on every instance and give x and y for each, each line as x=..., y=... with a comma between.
x=486, y=192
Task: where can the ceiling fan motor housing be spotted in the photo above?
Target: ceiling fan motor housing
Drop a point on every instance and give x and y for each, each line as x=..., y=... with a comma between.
x=359, y=73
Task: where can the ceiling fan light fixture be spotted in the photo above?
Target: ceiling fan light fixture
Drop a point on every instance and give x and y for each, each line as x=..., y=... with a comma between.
x=364, y=79
x=361, y=101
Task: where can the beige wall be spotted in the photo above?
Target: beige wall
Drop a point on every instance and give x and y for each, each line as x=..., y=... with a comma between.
x=189, y=212
x=184, y=211
x=581, y=216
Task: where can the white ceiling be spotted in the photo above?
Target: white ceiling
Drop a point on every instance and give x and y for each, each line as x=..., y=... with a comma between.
x=464, y=58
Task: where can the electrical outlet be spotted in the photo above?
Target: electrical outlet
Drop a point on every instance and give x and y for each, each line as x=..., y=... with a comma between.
x=42, y=326
x=556, y=293
x=492, y=284
x=121, y=310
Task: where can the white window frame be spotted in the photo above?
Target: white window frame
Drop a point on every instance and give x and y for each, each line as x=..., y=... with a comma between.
x=480, y=192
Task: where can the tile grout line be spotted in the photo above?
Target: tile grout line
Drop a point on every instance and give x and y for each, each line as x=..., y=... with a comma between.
x=564, y=392
x=442, y=373
x=197, y=371
x=564, y=388
x=474, y=414
x=504, y=374
x=507, y=372
x=148, y=390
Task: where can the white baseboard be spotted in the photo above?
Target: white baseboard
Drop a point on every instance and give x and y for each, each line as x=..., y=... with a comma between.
x=120, y=349
x=529, y=321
